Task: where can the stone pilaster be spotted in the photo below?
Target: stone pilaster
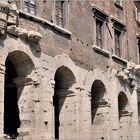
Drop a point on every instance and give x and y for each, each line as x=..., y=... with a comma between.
x=114, y=117
x=84, y=113
x=134, y=106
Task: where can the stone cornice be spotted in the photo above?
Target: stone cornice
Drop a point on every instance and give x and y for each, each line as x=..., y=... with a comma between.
x=44, y=21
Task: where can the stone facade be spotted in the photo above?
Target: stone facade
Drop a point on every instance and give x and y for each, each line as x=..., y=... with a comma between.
x=56, y=83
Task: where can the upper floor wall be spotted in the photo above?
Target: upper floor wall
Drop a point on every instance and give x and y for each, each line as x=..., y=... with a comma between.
x=94, y=33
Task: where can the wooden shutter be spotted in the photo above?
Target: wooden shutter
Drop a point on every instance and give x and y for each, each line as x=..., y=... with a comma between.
x=99, y=33
x=117, y=43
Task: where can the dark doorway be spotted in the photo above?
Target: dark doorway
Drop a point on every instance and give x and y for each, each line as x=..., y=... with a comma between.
x=56, y=115
x=11, y=110
x=64, y=79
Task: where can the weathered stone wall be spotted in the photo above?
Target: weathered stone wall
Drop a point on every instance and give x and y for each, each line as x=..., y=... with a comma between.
x=80, y=44
x=37, y=61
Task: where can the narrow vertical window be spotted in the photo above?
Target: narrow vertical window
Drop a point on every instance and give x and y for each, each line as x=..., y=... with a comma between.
x=26, y=5
x=117, y=43
x=59, y=12
x=99, y=40
x=32, y=7
x=100, y=19
x=138, y=49
x=29, y=6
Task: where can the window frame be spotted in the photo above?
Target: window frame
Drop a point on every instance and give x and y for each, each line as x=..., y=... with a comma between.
x=64, y=18
x=137, y=15
x=119, y=27
x=118, y=42
x=99, y=36
x=29, y=5
x=101, y=16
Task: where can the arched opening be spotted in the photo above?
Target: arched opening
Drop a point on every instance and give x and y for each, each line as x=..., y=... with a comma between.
x=124, y=116
x=97, y=97
x=18, y=65
x=122, y=103
x=11, y=111
x=64, y=79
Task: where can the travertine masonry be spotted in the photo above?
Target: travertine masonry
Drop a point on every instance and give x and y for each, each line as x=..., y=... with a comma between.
x=63, y=86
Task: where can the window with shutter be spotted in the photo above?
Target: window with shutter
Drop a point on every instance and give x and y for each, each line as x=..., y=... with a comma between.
x=117, y=43
x=59, y=11
x=100, y=18
x=119, y=34
x=99, y=33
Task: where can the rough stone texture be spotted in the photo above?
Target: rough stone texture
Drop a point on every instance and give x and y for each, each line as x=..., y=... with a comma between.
x=51, y=61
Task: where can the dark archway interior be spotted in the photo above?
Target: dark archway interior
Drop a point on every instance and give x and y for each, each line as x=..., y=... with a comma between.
x=97, y=94
x=11, y=111
x=64, y=79
x=122, y=102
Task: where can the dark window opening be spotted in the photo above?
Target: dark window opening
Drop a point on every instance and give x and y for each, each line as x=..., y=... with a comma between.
x=99, y=36
x=117, y=43
x=11, y=110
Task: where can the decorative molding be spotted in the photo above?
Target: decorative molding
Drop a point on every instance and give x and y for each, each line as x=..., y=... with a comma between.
x=101, y=51
x=119, y=59
x=125, y=112
x=23, y=33
x=44, y=21
x=95, y=8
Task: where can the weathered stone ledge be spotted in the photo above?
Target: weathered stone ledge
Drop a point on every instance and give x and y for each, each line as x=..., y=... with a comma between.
x=101, y=51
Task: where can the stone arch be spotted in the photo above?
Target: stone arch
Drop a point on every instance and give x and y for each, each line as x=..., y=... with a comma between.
x=23, y=63
x=64, y=79
x=18, y=66
x=11, y=45
x=65, y=61
x=97, y=97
